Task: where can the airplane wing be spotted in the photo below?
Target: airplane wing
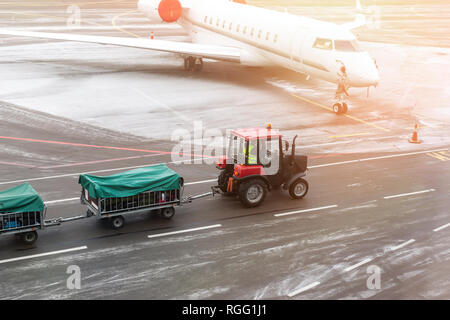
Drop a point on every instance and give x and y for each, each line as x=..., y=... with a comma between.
x=190, y=49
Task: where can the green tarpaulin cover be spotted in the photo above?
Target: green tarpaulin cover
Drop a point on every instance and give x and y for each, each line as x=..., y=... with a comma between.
x=131, y=183
x=22, y=198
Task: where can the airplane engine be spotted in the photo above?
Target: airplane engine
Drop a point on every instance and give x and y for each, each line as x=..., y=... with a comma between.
x=162, y=10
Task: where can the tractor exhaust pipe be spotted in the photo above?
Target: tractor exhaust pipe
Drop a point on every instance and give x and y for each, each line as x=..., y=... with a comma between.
x=293, y=150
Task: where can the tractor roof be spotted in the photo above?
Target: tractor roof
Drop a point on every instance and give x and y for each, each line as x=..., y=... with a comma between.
x=256, y=133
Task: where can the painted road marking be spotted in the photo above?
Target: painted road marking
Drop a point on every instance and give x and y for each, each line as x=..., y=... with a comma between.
x=443, y=155
x=345, y=115
x=43, y=254
x=358, y=264
x=17, y=164
x=442, y=227
x=374, y=158
x=99, y=161
x=90, y=172
x=113, y=22
x=57, y=4
x=62, y=200
x=74, y=144
x=181, y=161
x=200, y=182
x=78, y=198
x=351, y=135
x=298, y=291
x=183, y=231
x=402, y=245
x=409, y=194
x=302, y=211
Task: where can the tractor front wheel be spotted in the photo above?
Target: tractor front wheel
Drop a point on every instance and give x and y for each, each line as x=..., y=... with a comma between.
x=252, y=193
x=298, y=189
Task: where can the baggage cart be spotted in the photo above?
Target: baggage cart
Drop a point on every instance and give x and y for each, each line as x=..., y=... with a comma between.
x=139, y=190
x=22, y=212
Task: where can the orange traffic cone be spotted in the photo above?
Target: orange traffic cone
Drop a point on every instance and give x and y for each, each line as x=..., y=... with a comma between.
x=152, y=35
x=415, y=138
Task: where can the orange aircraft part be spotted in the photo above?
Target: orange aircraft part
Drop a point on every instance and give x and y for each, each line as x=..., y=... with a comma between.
x=170, y=10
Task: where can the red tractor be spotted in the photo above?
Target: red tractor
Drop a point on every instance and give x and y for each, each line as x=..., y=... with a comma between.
x=257, y=162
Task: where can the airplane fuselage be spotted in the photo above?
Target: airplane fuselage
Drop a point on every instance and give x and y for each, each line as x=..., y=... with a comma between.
x=266, y=37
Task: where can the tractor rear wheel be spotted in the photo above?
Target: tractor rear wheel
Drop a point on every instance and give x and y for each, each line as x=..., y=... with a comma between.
x=298, y=189
x=252, y=193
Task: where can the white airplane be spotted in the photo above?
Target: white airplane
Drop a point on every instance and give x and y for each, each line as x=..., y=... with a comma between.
x=231, y=30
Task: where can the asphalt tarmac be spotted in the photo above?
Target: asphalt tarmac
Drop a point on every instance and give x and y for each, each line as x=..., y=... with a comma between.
x=375, y=200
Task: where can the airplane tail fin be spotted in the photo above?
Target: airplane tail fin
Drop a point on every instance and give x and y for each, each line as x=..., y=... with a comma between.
x=360, y=18
x=358, y=5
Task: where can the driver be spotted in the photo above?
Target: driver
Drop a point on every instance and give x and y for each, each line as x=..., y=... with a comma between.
x=252, y=157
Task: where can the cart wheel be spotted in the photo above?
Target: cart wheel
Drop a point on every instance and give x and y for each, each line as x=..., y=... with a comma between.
x=167, y=213
x=298, y=189
x=117, y=222
x=29, y=237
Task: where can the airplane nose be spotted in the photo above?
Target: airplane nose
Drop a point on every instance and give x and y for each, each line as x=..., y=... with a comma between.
x=365, y=74
x=375, y=78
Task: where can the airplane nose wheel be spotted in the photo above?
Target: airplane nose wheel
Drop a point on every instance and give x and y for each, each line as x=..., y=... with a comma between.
x=340, y=107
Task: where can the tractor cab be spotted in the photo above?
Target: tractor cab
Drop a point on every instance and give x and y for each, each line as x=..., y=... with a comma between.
x=257, y=159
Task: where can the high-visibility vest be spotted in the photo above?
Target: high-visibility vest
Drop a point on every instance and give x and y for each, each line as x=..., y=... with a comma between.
x=252, y=159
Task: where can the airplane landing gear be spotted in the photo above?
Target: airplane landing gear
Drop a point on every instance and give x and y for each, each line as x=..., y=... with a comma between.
x=340, y=107
x=193, y=64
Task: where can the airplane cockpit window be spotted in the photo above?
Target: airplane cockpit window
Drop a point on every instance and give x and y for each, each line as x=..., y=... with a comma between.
x=346, y=45
x=325, y=44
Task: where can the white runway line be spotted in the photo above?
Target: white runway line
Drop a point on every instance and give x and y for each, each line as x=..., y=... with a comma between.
x=298, y=291
x=358, y=265
x=375, y=158
x=409, y=194
x=404, y=244
x=183, y=231
x=181, y=161
x=91, y=172
x=78, y=198
x=62, y=200
x=163, y=105
x=442, y=227
x=302, y=211
x=346, y=142
x=43, y=254
x=324, y=144
x=200, y=182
